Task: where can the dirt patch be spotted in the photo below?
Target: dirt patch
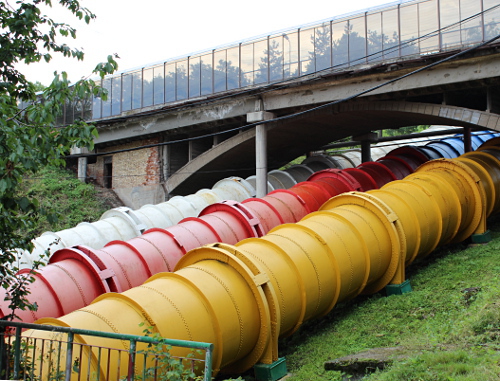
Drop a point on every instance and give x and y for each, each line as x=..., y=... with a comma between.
x=108, y=197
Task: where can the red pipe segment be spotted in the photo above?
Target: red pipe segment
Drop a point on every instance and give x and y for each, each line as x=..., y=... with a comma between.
x=338, y=178
x=365, y=180
x=411, y=156
x=380, y=173
x=76, y=276
x=397, y=166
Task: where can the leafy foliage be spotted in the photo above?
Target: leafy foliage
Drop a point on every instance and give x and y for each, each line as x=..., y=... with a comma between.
x=164, y=366
x=30, y=138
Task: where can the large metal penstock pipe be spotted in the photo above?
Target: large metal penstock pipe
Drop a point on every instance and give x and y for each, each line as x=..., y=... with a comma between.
x=122, y=265
x=243, y=297
x=77, y=275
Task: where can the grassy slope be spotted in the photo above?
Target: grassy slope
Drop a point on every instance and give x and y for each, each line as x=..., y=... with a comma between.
x=75, y=201
x=455, y=333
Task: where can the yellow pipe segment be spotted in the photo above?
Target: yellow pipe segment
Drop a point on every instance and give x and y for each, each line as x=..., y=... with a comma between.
x=422, y=204
x=242, y=298
x=467, y=185
x=486, y=181
x=492, y=167
x=382, y=233
x=448, y=202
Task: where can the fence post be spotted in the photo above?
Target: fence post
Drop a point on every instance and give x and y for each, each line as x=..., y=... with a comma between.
x=17, y=352
x=131, y=362
x=69, y=356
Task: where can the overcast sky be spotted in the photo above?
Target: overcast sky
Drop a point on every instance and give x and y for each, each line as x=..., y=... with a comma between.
x=148, y=31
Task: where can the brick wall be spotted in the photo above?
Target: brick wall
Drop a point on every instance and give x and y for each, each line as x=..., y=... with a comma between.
x=131, y=168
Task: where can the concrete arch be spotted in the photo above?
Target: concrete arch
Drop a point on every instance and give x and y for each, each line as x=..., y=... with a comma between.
x=440, y=114
x=289, y=139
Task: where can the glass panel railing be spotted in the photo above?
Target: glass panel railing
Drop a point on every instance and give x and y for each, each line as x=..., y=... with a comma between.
x=291, y=55
x=116, y=96
x=409, y=30
x=450, y=35
x=307, y=57
x=220, y=71
x=137, y=90
x=96, y=108
x=159, y=84
x=261, y=63
x=276, y=55
x=405, y=29
x=491, y=19
x=206, y=74
x=147, y=87
x=375, y=36
x=357, y=41
x=428, y=23
x=391, y=40
x=471, y=31
x=127, y=92
x=323, y=46
x=87, y=105
x=340, y=37
x=247, y=58
x=170, y=82
x=194, y=77
x=106, y=105
x=233, y=68
x=181, y=80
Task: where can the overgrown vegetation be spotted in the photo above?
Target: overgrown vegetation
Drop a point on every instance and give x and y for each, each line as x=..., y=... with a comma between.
x=450, y=323
x=73, y=200
x=30, y=137
x=166, y=367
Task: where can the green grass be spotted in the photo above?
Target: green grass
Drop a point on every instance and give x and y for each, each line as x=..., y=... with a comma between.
x=74, y=201
x=449, y=324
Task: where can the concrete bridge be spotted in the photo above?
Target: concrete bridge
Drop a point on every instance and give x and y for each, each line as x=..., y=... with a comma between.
x=390, y=74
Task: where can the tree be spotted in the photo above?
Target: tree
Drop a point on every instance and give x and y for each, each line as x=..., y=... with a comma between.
x=30, y=138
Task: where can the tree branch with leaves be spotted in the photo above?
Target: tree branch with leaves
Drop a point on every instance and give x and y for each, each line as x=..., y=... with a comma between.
x=29, y=136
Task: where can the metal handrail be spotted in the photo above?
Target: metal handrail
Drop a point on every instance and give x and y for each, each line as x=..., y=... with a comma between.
x=71, y=332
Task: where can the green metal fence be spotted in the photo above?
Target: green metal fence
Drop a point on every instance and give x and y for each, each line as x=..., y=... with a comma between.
x=42, y=352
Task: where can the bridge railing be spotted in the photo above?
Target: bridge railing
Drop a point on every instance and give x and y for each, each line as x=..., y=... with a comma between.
x=60, y=353
x=387, y=33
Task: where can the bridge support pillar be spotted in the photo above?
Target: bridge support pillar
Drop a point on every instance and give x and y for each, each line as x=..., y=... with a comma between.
x=366, y=141
x=467, y=139
x=260, y=149
x=82, y=169
x=82, y=162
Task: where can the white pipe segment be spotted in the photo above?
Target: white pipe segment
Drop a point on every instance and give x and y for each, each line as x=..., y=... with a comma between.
x=299, y=172
x=252, y=180
x=234, y=188
x=281, y=179
x=123, y=223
